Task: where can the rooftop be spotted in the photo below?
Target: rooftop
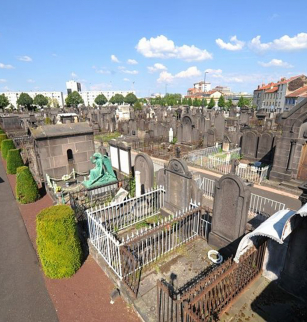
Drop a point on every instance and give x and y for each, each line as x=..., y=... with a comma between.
x=302, y=92
x=50, y=131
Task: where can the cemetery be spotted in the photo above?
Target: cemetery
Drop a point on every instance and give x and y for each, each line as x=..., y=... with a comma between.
x=178, y=245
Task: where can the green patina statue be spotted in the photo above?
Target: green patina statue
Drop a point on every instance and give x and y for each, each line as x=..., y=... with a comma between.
x=102, y=173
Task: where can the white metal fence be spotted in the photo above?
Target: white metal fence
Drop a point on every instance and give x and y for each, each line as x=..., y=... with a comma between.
x=263, y=206
x=149, y=244
x=258, y=205
x=105, y=243
x=129, y=212
x=206, y=185
x=196, y=156
x=252, y=173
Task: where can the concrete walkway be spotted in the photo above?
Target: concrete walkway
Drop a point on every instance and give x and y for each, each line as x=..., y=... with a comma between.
x=23, y=294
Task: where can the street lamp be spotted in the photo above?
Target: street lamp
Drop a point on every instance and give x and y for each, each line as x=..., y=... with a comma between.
x=205, y=81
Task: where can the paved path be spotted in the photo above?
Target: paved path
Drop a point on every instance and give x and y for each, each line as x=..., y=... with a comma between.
x=23, y=294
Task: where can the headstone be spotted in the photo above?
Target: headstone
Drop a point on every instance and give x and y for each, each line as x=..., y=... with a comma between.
x=219, y=124
x=177, y=186
x=170, y=135
x=144, y=165
x=230, y=210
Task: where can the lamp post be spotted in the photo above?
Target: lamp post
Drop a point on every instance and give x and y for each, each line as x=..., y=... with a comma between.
x=204, y=89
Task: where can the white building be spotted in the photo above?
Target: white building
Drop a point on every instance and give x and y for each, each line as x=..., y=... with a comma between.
x=202, y=86
x=89, y=96
x=13, y=96
x=73, y=86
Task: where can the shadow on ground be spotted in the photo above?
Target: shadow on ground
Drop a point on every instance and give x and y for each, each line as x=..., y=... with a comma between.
x=275, y=304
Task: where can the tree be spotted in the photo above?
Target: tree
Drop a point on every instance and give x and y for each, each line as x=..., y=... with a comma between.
x=204, y=102
x=25, y=100
x=74, y=99
x=221, y=103
x=190, y=103
x=137, y=106
x=117, y=99
x=229, y=103
x=4, y=102
x=130, y=99
x=40, y=100
x=184, y=101
x=211, y=103
x=101, y=100
x=196, y=102
x=241, y=102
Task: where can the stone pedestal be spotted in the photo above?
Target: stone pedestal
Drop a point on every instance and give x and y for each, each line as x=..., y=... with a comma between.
x=230, y=210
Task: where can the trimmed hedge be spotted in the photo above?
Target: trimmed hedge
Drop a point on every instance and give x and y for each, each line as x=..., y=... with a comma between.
x=2, y=137
x=26, y=188
x=57, y=242
x=6, y=145
x=14, y=161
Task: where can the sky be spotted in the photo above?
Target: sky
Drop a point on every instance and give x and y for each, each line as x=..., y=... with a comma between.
x=150, y=46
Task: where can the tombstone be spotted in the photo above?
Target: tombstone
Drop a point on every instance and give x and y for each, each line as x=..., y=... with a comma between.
x=226, y=143
x=230, y=210
x=178, y=180
x=186, y=124
x=219, y=124
x=249, y=144
x=211, y=138
x=265, y=146
x=170, y=135
x=144, y=165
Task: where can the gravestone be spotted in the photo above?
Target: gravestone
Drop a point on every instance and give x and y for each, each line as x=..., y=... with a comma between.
x=186, y=125
x=211, y=137
x=250, y=144
x=265, y=152
x=219, y=124
x=230, y=210
x=170, y=135
x=178, y=180
x=144, y=164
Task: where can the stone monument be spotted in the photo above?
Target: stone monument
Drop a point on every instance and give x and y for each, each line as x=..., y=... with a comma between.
x=178, y=181
x=144, y=165
x=230, y=210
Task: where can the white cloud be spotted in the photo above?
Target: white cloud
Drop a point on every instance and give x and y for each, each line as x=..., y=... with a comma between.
x=234, y=44
x=103, y=71
x=30, y=80
x=190, y=72
x=114, y=59
x=161, y=47
x=132, y=62
x=285, y=43
x=126, y=80
x=2, y=80
x=218, y=74
x=25, y=58
x=166, y=77
x=126, y=71
x=275, y=63
x=156, y=67
x=54, y=55
x=3, y=66
x=73, y=75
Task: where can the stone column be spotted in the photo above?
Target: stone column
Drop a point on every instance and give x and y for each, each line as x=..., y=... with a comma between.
x=137, y=183
x=291, y=154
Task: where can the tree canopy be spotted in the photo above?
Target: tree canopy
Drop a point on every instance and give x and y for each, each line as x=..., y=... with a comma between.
x=229, y=103
x=40, y=100
x=101, y=99
x=204, y=102
x=137, y=106
x=4, y=102
x=25, y=100
x=211, y=103
x=74, y=99
x=244, y=101
x=130, y=99
x=117, y=99
x=221, y=103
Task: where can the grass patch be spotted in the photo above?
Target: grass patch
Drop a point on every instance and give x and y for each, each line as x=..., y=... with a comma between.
x=107, y=136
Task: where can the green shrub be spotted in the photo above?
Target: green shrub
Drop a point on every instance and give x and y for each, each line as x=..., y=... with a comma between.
x=26, y=188
x=1, y=131
x=2, y=137
x=58, y=245
x=14, y=161
x=6, y=145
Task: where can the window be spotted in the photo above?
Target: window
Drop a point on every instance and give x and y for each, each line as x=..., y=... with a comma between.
x=70, y=156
